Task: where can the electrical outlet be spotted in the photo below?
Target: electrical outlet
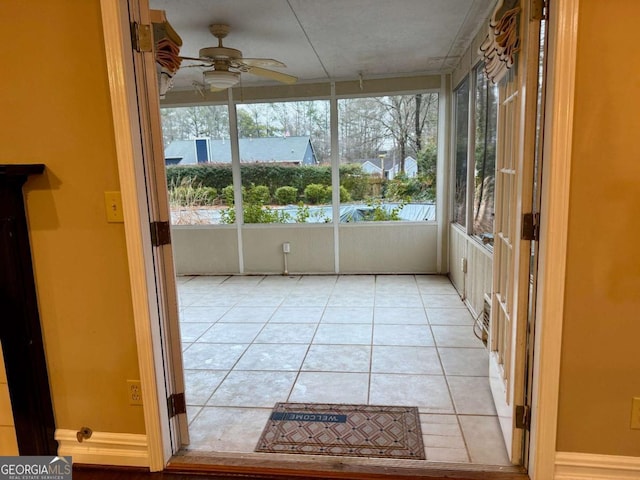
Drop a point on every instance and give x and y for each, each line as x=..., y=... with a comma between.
x=113, y=207
x=286, y=247
x=635, y=413
x=463, y=265
x=134, y=389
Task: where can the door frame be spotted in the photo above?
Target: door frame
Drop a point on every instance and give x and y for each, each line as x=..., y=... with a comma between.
x=554, y=213
x=128, y=139
x=563, y=29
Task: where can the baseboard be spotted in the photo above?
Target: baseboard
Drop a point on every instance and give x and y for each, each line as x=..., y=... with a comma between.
x=103, y=448
x=587, y=466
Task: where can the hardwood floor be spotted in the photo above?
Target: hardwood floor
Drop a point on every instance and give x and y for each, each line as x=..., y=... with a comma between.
x=114, y=473
x=81, y=472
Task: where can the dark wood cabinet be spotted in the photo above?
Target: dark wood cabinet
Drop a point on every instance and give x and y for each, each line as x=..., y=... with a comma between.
x=20, y=331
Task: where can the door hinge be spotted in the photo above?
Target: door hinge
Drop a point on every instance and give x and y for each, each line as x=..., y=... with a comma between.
x=176, y=404
x=141, y=37
x=160, y=233
x=538, y=10
x=523, y=417
x=530, y=226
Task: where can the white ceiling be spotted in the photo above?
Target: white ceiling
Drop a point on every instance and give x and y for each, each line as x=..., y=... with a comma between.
x=322, y=40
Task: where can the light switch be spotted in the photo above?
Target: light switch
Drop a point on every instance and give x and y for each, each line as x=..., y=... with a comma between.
x=113, y=207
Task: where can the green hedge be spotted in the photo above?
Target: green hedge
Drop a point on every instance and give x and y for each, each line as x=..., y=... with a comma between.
x=271, y=175
x=218, y=177
x=316, y=193
x=286, y=195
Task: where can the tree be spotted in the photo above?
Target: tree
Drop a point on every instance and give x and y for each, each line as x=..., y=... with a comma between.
x=249, y=125
x=360, y=131
x=193, y=122
x=398, y=125
x=427, y=160
x=486, y=98
x=409, y=121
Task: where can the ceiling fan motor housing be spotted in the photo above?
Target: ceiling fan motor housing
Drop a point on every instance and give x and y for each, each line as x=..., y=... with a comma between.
x=219, y=30
x=220, y=53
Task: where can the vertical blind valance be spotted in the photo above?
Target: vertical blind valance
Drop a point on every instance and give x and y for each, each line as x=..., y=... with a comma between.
x=502, y=42
x=167, y=50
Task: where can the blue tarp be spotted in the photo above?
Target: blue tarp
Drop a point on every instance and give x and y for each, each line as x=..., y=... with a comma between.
x=351, y=213
x=414, y=212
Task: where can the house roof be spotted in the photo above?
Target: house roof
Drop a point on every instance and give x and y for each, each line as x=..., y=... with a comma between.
x=362, y=161
x=272, y=149
x=182, y=149
x=388, y=163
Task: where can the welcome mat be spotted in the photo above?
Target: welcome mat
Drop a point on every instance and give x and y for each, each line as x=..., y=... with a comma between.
x=347, y=430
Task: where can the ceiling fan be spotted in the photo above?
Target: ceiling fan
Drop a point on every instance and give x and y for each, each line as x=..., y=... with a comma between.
x=228, y=63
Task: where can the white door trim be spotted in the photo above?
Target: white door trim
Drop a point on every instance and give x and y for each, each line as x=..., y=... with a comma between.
x=589, y=466
x=563, y=33
x=104, y=448
x=115, y=19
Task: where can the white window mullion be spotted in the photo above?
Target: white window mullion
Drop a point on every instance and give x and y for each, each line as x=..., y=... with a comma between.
x=335, y=176
x=237, y=179
x=442, y=179
x=471, y=152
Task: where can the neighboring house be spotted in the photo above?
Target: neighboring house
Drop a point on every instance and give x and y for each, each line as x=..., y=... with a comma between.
x=410, y=169
x=291, y=150
x=373, y=166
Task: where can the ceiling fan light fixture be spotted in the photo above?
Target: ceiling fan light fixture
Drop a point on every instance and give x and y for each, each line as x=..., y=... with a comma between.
x=221, y=78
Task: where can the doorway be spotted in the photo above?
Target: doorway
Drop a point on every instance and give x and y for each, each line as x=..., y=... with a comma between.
x=203, y=349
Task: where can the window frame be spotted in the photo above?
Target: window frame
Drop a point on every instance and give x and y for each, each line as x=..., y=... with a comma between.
x=339, y=91
x=454, y=144
x=468, y=227
x=235, y=104
x=439, y=126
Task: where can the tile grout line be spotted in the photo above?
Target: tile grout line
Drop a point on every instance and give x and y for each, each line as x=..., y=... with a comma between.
x=444, y=373
x=295, y=380
x=373, y=315
x=237, y=360
x=446, y=379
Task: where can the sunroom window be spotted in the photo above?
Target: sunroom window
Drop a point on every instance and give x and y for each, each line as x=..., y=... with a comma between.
x=486, y=110
x=198, y=161
x=285, y=161
x=461, y=98
x=386, y=161
x=475, y=155
x=387, y=157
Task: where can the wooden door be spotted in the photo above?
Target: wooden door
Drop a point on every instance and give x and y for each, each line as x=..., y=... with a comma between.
x=148, y=102
x=515, y=160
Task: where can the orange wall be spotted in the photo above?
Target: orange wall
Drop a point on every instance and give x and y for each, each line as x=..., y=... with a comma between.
x=56, y=110
x=600, y=361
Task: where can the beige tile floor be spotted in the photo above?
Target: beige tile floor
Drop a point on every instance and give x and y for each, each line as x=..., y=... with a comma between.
x=252, y=341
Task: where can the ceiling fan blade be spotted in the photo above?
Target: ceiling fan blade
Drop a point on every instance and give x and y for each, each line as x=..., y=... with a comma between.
x=280, y=77
x=200, y=65
x=200, y=87
x=195, y=59
x=261, y=62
